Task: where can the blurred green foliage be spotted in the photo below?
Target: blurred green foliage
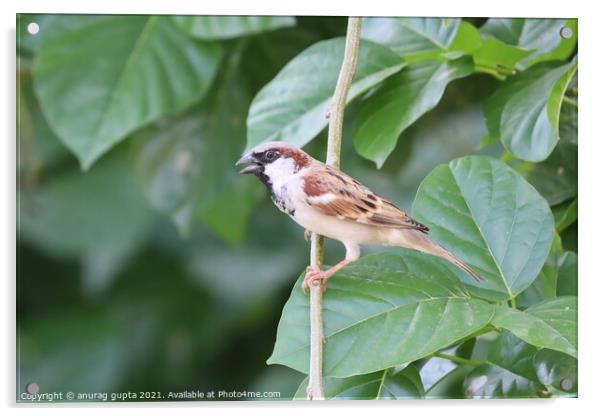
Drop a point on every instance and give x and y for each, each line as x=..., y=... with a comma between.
x=145, y=263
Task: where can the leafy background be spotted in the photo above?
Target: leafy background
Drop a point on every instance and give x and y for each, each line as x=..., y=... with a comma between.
x=145, y=263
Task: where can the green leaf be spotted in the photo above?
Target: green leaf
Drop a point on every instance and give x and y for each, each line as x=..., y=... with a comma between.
x=497, y=58
x=490, y=217
x=544, y=287
x=544, y=367
x=382, y=385
x=524, y=112
x=181, y=161
x=564, y=49
x=491, y=381
x=549, y=324
x=567, y=274
x=95, y=90
x=541, y=36
x=399, y=102
x=292, y=107
x=226, y=27
x=405, y=384
x=467, y=39
x=265, y=55
x=388, y=309
x=556, y=177
x=513, y=354
x=450, y=385
x=77, y=214
x=565, y=215
x=413, y=38
x=556, y=369
x=518, y=369
x=38, y=147
x=509, y=371
x=167, y=160
x=433, y=369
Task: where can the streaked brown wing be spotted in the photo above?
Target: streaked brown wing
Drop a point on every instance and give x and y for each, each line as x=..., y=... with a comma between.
x=337, y=194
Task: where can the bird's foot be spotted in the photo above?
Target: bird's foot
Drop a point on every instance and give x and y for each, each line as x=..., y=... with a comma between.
x=314, y=274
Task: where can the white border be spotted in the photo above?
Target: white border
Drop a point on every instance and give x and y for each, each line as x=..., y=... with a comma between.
x=590, y=24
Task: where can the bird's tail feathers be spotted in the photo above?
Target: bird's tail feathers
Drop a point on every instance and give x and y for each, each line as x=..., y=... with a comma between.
x=422, y=242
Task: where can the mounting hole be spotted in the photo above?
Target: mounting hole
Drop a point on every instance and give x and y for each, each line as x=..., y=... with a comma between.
x=32, y=388
x=566, y=384
x=566, y=32
x=33, y=28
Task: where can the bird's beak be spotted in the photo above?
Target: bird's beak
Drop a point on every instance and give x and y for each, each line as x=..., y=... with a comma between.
x=252, y=168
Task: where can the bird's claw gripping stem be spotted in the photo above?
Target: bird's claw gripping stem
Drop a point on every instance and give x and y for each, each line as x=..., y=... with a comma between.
x=314, y=274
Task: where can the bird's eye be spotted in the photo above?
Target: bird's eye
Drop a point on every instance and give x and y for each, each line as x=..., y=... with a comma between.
x=270, y=155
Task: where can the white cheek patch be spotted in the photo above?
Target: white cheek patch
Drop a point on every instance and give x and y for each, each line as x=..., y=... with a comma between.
x=322, y=199
x=280, y=171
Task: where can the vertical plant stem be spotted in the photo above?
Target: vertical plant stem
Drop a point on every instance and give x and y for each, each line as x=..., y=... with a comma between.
x=315, y=389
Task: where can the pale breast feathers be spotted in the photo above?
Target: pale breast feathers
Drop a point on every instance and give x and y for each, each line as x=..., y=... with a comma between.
x=334, y=193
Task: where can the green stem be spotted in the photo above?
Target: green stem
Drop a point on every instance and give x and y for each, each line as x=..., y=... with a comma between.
x=315, y=389
x=458, y=360
x=513, y=303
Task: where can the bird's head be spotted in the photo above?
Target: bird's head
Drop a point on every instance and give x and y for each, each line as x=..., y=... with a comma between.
x=274, y=160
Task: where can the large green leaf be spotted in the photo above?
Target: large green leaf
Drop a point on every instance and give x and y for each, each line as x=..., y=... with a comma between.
x=491, y=218
x=382, y=385
x=292, y=107
x=399, y=102
x=542, y=36
x=181, y=161
x=384, y=310
x=225, y=27
x=524, y=113
x=413, y=38
x=95, y=90
x=549, y=324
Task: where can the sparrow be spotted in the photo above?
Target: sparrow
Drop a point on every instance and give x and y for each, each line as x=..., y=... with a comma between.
x=326, y=201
